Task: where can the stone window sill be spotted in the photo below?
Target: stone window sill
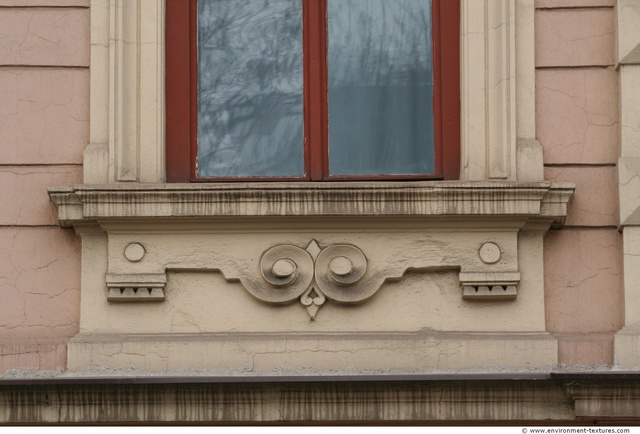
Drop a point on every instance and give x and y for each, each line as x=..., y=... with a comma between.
x=543, y=201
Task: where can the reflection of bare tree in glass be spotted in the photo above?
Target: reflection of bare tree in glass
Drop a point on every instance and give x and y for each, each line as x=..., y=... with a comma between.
x=250, y=88
x=380, y=86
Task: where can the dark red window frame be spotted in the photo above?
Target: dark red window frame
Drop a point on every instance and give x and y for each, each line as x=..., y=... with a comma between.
x=182, y=93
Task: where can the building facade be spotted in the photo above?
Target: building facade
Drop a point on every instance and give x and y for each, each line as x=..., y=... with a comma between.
x=509, y=291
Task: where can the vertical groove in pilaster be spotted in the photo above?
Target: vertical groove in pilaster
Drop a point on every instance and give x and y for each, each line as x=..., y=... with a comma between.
x=124, y=91
x=501, y=89
x=473, y=90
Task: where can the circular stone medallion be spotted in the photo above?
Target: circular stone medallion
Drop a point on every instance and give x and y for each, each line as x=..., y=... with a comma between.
x=134, y=252
x=489, y=253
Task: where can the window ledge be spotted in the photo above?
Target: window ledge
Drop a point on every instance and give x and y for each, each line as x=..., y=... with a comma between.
x=541, y=200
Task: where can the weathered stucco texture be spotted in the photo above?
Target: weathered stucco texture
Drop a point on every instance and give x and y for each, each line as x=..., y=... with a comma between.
x=45, y=3
x=44, y=119
x=572, y=37
x=584, y=302
x=25, y=188
x=44, y=115
x=577, y=114
x=540, y=4
x=595, y=202
x=43, y=36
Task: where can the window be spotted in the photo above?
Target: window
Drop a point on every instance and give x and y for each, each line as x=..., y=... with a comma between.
x=312, y=89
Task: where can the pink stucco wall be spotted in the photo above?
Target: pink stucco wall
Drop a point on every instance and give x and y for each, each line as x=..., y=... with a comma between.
x=44, y=120
x=577, y=125
x=44, y=82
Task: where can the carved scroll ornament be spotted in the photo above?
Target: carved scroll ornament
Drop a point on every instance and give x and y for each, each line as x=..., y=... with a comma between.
x=312, y=275
x=340, y=272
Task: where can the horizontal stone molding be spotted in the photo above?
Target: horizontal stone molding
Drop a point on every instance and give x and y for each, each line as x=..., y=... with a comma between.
x=577, y=398
x=375, y=353
x=543, y=200
x=328, y=399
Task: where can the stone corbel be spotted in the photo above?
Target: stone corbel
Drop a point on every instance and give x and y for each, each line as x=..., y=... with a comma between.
x=136, y=287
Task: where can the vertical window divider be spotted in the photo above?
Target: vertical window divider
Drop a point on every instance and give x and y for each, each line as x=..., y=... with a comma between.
x=193, y=56
x=315, y=88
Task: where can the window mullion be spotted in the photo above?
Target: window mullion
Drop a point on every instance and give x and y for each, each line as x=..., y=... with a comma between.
x=315, y=87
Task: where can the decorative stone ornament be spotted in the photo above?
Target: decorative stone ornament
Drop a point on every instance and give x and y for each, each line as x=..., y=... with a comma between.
x=287, y=270
x=458, y=232
x=489, y=253
x=315, y=274
x=290, y=270
x=134, y=252
x=135, y=287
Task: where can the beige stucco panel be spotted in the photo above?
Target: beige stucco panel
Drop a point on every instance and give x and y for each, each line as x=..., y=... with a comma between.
x=630, y=111
x=629, y=187
x=628, y=15
x=289, y=354
x=393, y=252
x=208, y=322
x=632, y=274
x=627, y=343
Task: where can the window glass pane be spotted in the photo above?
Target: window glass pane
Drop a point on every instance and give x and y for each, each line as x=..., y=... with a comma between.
x=250, y=101
x=380, y=87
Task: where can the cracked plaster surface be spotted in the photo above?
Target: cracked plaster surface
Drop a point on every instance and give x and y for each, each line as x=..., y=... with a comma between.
x=577, y=115
x=46, y=112
x=30, y=259
x=593, y=349
x=289, y=354
x=45, y=3
x=25, y=188
x=51, y=37
x=583, y=281
x=573, y=3
x=419, y=300
x=595, y=201
x=575, y=37
x=34, y=360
